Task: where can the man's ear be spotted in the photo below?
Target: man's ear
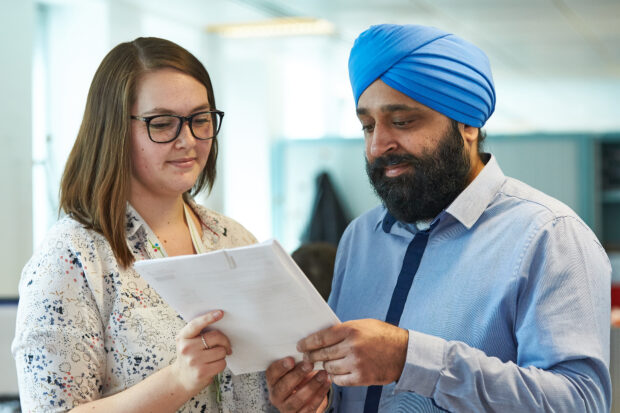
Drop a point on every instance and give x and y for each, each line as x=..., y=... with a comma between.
x=469, y=133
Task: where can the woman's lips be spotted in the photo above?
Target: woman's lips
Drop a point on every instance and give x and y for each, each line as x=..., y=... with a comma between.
x=183, y=162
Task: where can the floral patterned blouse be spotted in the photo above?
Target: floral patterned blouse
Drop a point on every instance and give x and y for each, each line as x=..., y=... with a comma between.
x=87, y=329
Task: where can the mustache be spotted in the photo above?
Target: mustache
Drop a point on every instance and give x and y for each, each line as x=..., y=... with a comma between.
x=390, y=160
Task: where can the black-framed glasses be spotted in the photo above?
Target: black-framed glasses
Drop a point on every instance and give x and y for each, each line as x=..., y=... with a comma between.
x=166, y=128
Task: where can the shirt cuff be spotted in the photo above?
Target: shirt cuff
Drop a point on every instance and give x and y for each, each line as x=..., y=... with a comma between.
x=425, y=360
x=333, y=397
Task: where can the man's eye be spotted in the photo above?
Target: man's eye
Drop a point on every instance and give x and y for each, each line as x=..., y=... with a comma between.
x=401, y=122
x=368, y=128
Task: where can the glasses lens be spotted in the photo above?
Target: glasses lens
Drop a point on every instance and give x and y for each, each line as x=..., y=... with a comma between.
x=205, y=125
x=163, y=128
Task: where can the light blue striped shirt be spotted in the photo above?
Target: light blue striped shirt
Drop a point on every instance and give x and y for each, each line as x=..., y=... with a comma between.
x=509, y=310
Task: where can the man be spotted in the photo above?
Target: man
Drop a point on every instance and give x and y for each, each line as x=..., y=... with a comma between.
x=467, y=291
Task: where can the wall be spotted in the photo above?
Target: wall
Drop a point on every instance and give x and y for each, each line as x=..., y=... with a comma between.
x=8, y=376
x=17, y=24
x=15, y=167
x=64, y=66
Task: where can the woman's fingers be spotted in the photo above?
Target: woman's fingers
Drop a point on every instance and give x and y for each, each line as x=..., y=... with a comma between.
x=214, y=354
x=214, y=339
x=201, y=354
x=195, y=326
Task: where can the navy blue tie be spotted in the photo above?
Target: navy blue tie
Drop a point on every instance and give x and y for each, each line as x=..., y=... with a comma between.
x=411, y=263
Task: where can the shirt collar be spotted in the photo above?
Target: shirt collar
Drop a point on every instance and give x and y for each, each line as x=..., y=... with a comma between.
x=471, y=203
x=133, y=221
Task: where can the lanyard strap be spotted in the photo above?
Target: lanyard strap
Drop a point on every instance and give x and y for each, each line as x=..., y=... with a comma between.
x=193, y=231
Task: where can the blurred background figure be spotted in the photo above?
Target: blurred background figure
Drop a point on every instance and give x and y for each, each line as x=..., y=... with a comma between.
x=328, y=218
x=316, y=260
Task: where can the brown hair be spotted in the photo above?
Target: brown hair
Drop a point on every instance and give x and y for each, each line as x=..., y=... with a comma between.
x=95, y=184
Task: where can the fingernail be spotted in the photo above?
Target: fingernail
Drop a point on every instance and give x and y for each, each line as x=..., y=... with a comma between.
x=288, y=363
x=306, y=366
x=320, y=376
x=216, y=313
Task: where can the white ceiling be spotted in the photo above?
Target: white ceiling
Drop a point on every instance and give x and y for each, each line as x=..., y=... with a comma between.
x=565, y=53
x=571, y=38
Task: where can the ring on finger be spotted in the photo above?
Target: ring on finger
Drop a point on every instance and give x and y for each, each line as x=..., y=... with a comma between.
x=204, y=342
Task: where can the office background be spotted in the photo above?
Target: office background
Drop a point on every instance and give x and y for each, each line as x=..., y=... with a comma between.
x=289, y=109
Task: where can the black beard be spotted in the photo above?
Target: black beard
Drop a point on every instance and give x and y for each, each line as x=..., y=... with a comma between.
x=436, y=179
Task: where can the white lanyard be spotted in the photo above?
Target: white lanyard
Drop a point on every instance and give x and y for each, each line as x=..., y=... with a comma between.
x=193, y=232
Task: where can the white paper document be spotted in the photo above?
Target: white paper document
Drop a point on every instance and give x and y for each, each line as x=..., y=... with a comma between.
x=268, y=302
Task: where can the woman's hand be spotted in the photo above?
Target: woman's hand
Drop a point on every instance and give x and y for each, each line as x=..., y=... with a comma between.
x=200, y=357
x=168, y=389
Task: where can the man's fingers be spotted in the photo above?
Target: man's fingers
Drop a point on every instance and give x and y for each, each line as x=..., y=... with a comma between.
x=195, y=326
x=346, y=380
x=319, y=395
x=279, y=368
x=288, y=383
x=335, y=352
x=305, y=395
x=320, y=339
x=341, y=366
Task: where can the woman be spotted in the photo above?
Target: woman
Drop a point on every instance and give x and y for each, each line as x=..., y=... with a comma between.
x=91, y=334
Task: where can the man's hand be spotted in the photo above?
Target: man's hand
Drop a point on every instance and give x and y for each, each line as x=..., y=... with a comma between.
x=297, y=388
x=359, y=352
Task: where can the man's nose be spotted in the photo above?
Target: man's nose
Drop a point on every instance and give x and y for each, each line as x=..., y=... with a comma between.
x=382, y=141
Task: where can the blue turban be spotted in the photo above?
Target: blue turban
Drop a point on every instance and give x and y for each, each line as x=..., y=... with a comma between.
x=433, y=67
